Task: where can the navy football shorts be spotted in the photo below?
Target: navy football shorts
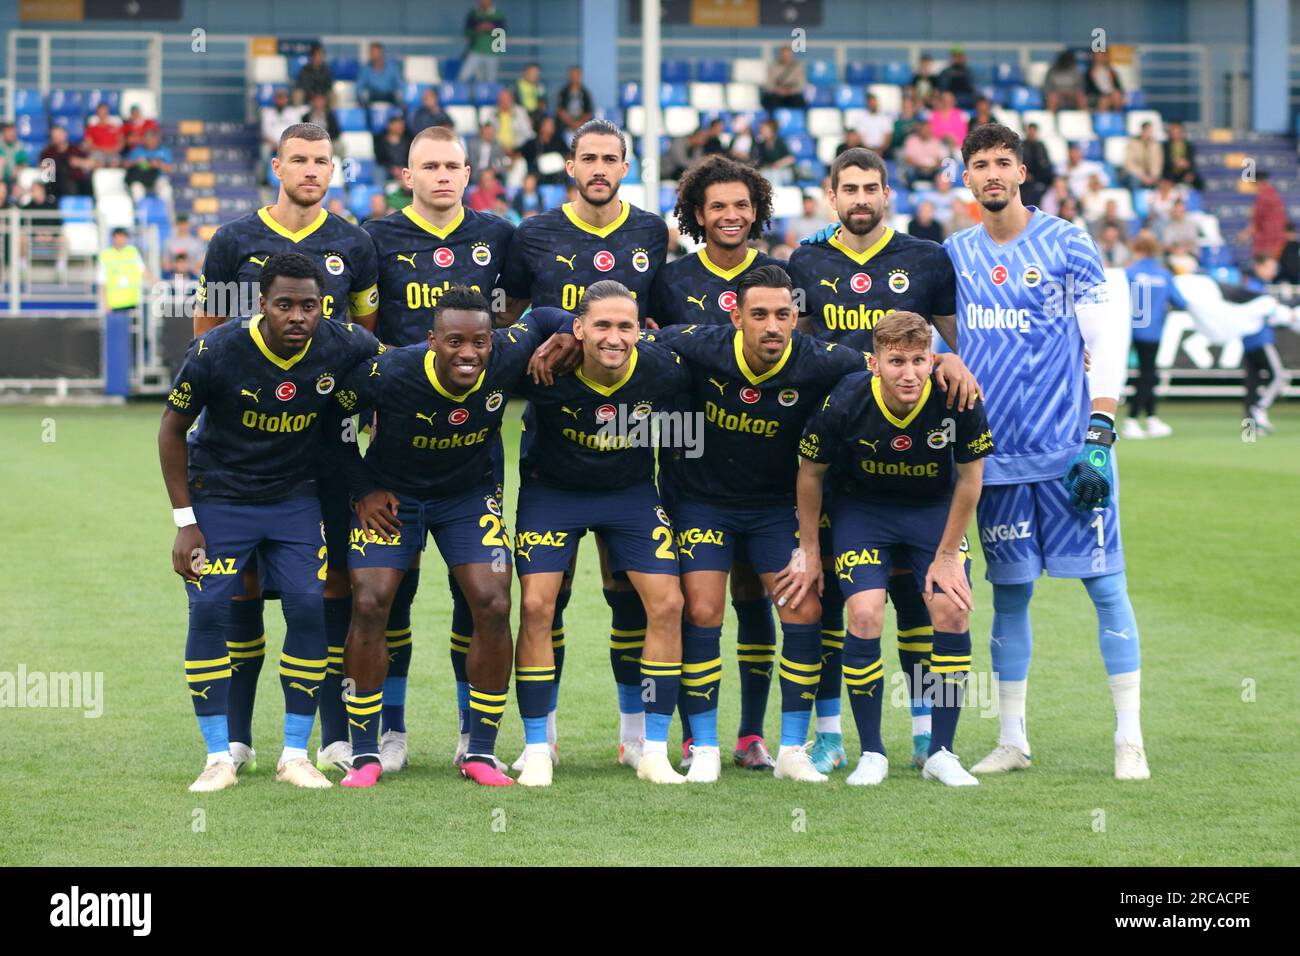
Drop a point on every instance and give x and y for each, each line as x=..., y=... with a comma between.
x=869, y=537
x=288, y=538
x=468, y=529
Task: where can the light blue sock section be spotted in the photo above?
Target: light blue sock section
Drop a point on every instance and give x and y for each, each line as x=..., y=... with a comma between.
x=297, y=729
x=704, y=728
x=395, y=692
x=794, y=727
x=216, y=733
x=629, y=700
x=826, y=706
x=656, y=726
x=1117, y=631
x=920, y=708
x=1011, y=643
x=534, y=730
x=462, y=692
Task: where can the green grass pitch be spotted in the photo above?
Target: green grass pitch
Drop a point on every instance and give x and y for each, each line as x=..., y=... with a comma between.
x=1209, y=525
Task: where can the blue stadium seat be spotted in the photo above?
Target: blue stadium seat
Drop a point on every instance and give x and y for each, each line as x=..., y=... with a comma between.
x=674, y=94
x=1092, y=149
x=345, y=67
x=629, y=95
x=413, y=93
x=111, y=97
x=449, y=68
x=633, y=170
x=553, y=195
x=902, y=201
x=67, y=103
x=1026, y=98
x=713, y=71
x=266, y=93
x=1135, y=99
x=859, y=74
x=359, y=201
x=823, y=73
x=823, y=96
x=850, y=97
x=1008, y=74
x=29, y=103
x=75, y=124
x=33, y=126
x=380, y=113
x=803, y=147
x=454, y=94
x=271, y=177
x=352, y=119
x=364, y=171
x=1108, y=124
x=77, y=208
x=1141, y=202
x=485, y=94
x=296, y=63
x=789, y=121
x=151, y=211
x=900, y=74
x=675, y=71
x=1193, y=200
x=1228, y=275
x=667, y=196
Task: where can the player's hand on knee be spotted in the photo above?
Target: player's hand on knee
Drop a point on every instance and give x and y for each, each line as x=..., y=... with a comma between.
x=948, y=571
x=957, y=381
x=377, y=512
x=188, y=552
x=798, y=578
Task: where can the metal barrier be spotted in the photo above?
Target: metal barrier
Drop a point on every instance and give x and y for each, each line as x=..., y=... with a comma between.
x=84, y=60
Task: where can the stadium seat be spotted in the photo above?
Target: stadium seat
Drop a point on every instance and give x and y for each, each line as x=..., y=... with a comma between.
x=345, y=68
x=1108, y=124
x=1058, y=150
x=1008, y=74
x=270, y=69
x=742, y=97
x=1114, y=148
x=112, y=211
x=359, y=145
x=675, y=71
x=789, y=121
x=143, y=98
x=1009, y=119
x=1134, y=119
x=1045, y=119
x=75, y=125
x=95, y=97
x=67, y=103
x=464, y=119
x=362, y=171
x=826, y=146
x=352, y=119
x=1193, y=201
x=359, y=200
x=629, y=94
x=1036, y=74
x=822, y=95
x=345, y=93
x=421, y=69
x=485, y=94
x=1141, y=202
x=825, y=122
x=750, y=71
x=713, y=71
x=634, y=120
x=296, y=63
x=152, y=211
x=549, y=163
x=823, y=73
x=902, y=200
x=81, y=237
x=859, y=74
x=889, y=96
x=1025, y=98
x=413, y=93
x=29, y=103
x=379, y=116
x=787, y=202
x=108, y=182
x=553, y=195
x=896, y=73
x=708, y=97
x=674, y=94
x=77, y=208
x=1135, y=99
x=265, y=93
x=1123, y=200
x=1092, y=149
x=681, y=120
x=667, y=195
x=1075, y=125
x=850, y=97
x=454, y=94
x=802, y=146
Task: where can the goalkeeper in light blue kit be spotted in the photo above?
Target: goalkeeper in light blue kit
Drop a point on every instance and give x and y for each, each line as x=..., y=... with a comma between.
x=1031, y=294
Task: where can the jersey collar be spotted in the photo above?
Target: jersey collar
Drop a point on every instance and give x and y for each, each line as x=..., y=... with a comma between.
x=608, y=390
x=601, y=231
x=726, y=274
x=444, y=232
x=889, y=416
x=432, y=373
x=256, y=334
x=265, y=215
x=861, y=257
x=1036, y=220
x=739, y=344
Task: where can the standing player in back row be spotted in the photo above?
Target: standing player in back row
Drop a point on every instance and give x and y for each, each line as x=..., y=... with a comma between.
x=1031, y=295
x=423, y=250
x=553, y=259
x=297, y=222
x=852, y=277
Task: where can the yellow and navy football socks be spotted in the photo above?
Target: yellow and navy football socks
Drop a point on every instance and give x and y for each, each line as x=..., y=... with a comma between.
x=557, y=643
x=915, y=639
x=302, y=665
x=755, y=654
x=246, y=644
x=626, y=641
x=534, y=686
x=949, y=664
x=832, y=653
x=462, y=629
x=701, y=683
x=485, y=709
x=207, y=672
x=333, y=718
x=864, y=676
x=363, y=709
x=800, y=672
x=660, y=681
x=398, y=635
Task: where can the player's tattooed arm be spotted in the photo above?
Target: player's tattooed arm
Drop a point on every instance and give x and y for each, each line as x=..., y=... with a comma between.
x=948, y=569
x=957, y=381
x=803, y=575
x=173, y=456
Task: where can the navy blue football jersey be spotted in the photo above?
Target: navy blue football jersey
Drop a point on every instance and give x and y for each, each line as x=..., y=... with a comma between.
x=431, y=442
x=876, y=456
x=693, y=291
x=846, y=293
x=752, y=422
x=418, y=262
x=555, y=256
x=260, y=431
x=228, y=285
x=591, y=437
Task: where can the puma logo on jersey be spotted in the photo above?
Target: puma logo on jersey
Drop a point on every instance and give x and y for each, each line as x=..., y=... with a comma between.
x=201, y=693
x=720, y=386
x=255, y=396
x=256, y=261
x=706, y=694
x=374, y=368
x=410, y=259
x=568, y=262
x=965, y=274
x=832, y=283
x=309, y=691
x=202, y=348
x=571, y=411
x=870, y=444
x=699, y=301
x=361, y=725
x=426, y=418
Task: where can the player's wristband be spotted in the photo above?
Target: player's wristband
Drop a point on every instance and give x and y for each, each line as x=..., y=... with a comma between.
x=184, y=517
x=1101, y=431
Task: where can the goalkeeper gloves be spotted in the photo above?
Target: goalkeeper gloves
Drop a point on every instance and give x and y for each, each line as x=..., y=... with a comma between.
x=821, y=236
x=1091, y=474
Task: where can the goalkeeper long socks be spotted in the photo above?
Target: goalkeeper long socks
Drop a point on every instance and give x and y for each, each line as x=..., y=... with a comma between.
x=246, y=645
x=333, y=716
x=1126, y=692
x=702, y=681
x=950, y=662
x=800, y=672
x=1117, y=631
x=1010, y=646
x=864, y=676
x=756, y=655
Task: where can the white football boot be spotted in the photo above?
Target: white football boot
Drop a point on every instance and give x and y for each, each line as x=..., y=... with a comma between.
x=1132, y=429
x=337, y=756
x=1157, y=429
x=1004, y=757
x=392, y=751
x=302, y=773
x=1131, y=761
x=872, y=769
x=537, y=769
x=947, y=769
x=215, y=776
x=655, y=768
x=794, y=763
x=706, y=765
x=629, y=752
x=245, y=757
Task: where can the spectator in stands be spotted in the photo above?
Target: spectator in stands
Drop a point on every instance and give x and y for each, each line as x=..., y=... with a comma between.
x=378, y=206
x=486, y=190
x=1259, y=352
x=105, y=137
x=1051, y=201
x=5, y=199
x=1110, y=216
x=904, y=123
x=948, y=123
x=319, y=113
x=682, y=152
x=713, y=143
x=1039, y=172
x=787, y=83
x=943, y=198
x=1093, y=202
x=1144, y=159
x=573, y=103
x=514, y=128
x=1069, y=211
x=148, y=168
x=1267, y=227
x=137, y=125
x=1102, y=85
x=1180, y=158
x=547, y=149
x=852, y=140
x=528, y=201
x=72, y=166
x=393, y=148
x=875, y=127
x=923, y=82
x=806, y=224
x=741, y=147
x=772, y=154
x=480, y=62
x=379, y=79
x=183, y=243
x=1289, y=261
x=277, y=118
x=956, y=79
x=1160, y=204
x=314, y=78
x=486, y=153
x=1114, y=251
x=1180, y=234
x=923, y=154
x=120, y=276
x=429, y=112
x=13, y=152
x=982, y=114
x=337, y=206
x=1152, y=293
x=1079, y=171
x=1063, y=87
x=501, y=207
x=924, y=225
x=530, y=91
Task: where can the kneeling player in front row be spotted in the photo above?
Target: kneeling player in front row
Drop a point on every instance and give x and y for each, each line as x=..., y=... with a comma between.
x=429, y=470
x=265, y=385
x=894, y=449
